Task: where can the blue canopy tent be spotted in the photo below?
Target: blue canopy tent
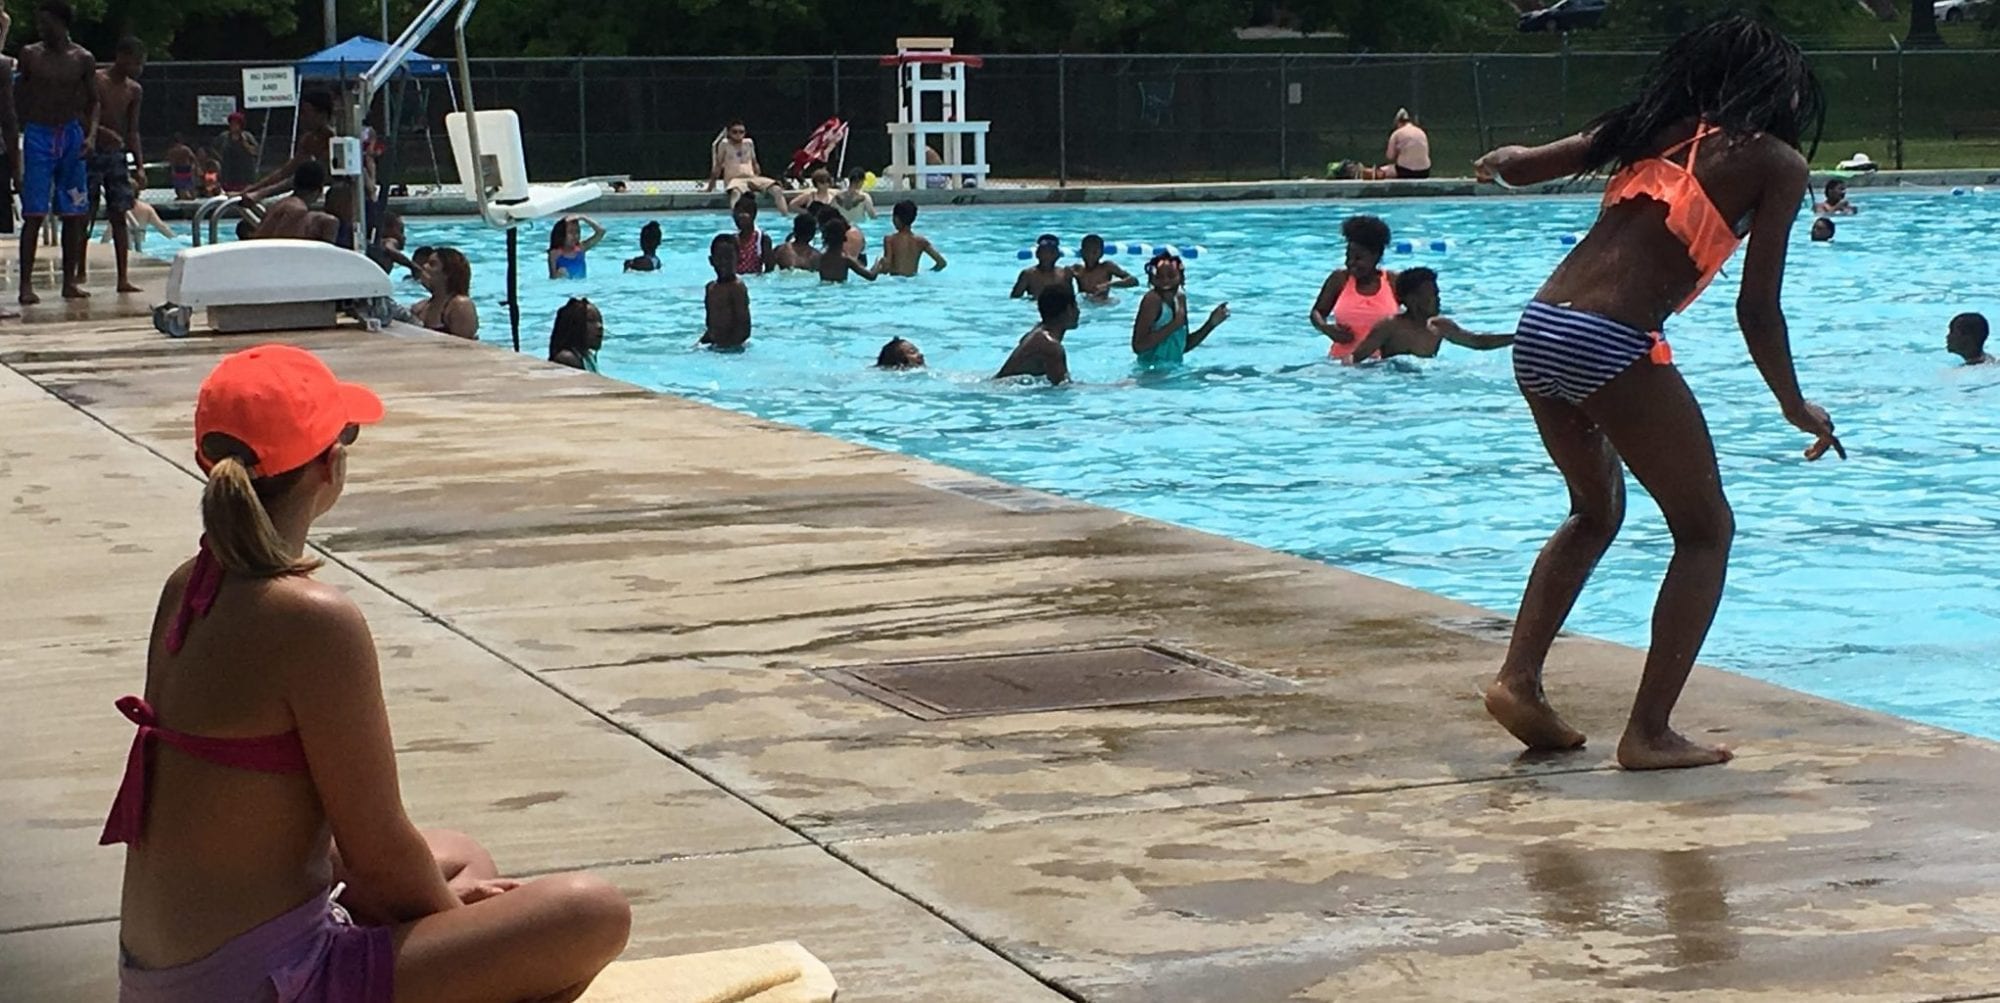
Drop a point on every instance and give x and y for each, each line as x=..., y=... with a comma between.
x=348, y=60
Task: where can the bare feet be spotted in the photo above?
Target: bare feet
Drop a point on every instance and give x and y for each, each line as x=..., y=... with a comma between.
x=1668, y=751
x=74, y=293
x=28, y=297
x=1529, y=718
x=127, y=287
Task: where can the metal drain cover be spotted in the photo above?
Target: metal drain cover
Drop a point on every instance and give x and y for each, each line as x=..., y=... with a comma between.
x=1067, y=679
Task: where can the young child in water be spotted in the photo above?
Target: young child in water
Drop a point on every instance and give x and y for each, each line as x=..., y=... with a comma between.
x=649, y=250
x=727, y=298
x=1096, y=277
x=1967, y=339
x=902, y=249
x=1040, y=351
x=1419, y=330
x=835, y=264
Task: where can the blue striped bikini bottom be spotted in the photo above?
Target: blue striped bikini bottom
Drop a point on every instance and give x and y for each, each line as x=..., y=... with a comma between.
x=1569, y=354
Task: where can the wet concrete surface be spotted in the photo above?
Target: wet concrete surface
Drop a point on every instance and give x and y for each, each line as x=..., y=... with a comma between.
x=606, y=638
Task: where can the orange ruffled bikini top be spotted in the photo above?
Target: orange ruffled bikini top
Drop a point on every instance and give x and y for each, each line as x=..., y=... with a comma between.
x=1691, y=216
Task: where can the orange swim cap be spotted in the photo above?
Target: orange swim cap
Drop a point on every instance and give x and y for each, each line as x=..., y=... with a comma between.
x=282, y=402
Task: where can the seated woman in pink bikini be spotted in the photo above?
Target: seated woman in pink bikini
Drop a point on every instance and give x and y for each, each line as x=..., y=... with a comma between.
x=1359, y=296
x=263, y=744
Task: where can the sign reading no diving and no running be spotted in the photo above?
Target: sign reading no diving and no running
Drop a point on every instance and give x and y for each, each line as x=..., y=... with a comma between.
x=269, y=87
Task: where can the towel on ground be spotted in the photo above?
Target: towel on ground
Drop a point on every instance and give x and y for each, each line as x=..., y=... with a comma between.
x=781, y=972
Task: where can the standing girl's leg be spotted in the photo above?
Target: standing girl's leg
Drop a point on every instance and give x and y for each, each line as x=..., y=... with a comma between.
x=1652, y=419
x=1597, y=508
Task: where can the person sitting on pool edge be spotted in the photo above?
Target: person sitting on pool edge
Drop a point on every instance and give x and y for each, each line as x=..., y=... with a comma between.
x=797, y=253
x=1040, y=351
x=899, y=353
x=1096, y=277
x=1822, y=230
x=1160, y=335
x=263, y=774
x=649, y=249
x=1836, y=203
x=835, y=264
x=727, y=299
x=1043, y=273
x=901, y=249
x=1359, y=295
x=1418, y=330
x=577, y=336
x=1966, y=338
x=567, y=248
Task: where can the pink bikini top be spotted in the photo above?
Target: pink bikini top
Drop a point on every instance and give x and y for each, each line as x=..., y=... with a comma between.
x=1360, y=313
x=264, y=754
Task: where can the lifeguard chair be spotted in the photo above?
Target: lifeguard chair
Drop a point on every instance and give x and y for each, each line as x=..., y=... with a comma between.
x=930, y=99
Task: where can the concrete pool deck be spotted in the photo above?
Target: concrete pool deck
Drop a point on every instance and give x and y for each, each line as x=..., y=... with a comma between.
x=603, y=614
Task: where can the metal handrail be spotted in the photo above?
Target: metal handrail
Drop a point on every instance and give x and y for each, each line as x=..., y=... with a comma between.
x=212, y=210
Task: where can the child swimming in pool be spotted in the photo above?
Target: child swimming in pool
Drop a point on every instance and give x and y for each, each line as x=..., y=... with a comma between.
x=797, y=253
x=1096, y=277
x=1040, y=351
x=649, y=250
x=902, y=250
x=1043, y=273
x=727, y=299
x=1419, y=330
x=899, y=353
x=1966, y=338
x=835, y=264
x=1705, y=155
x=1160, y=335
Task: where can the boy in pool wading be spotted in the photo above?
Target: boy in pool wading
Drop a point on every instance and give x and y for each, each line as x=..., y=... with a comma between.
x=727, y=299
x=1096, y=277
x=1040, y=351
x=1419, y=330
x=1707, y=154
x=1043, y=273
x=902, y=250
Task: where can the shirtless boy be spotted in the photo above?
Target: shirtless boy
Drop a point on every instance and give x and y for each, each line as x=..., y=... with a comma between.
x=1043, y=273
x=315, y=136
x=58, y=96
x=1096, y=277
x=293, y=216
x=900, y=250
x=1041, y=352
x=835, y=264
x=1418, y=330
x=797, y=253
x=118, y=96
x=727, y=299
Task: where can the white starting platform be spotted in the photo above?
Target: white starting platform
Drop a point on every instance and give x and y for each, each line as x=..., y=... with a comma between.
x=930, y=92
x=270, y=285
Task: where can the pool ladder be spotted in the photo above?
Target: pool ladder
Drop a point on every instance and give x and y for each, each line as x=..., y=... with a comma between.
x=212, y=211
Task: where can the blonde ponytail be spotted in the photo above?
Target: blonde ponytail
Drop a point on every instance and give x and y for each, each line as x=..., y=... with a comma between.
x=239, y=530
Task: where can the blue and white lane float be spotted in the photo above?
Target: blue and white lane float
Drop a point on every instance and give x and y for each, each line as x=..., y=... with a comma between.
x=1117, y=248
x=1435, y=246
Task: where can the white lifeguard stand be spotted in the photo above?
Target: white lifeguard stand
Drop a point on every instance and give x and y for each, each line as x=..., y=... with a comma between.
x=930, y=92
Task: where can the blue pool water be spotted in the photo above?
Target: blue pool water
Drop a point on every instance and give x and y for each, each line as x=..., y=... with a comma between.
x=1869, y=581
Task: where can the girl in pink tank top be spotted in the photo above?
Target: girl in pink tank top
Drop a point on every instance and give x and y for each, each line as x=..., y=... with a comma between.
x=1344, y=311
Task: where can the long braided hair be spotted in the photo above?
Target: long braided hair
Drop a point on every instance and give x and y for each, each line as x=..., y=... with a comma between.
x=1734, y=72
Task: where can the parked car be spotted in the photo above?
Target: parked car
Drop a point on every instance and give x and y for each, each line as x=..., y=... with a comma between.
x=1954, y=11
x=1569, y=15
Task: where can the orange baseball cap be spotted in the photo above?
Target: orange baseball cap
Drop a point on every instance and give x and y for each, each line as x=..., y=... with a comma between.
x=283, y=403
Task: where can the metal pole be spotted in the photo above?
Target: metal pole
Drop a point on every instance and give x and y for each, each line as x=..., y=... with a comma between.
x=1479, y=108
x=1562, y=108
x=514, y=284
x=1284, y=98
x=582, y=131
x=332, y=31
x=835, y=58
x=1899, y=102
x=1062, y=120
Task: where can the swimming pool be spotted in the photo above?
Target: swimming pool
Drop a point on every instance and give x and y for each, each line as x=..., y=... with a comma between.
x=1868, y=581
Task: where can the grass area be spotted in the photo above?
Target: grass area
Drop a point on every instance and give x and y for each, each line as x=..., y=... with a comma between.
x=1918, y=153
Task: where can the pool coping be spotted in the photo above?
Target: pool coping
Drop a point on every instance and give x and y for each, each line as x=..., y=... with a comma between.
x=643, y=612
x=1005, y=193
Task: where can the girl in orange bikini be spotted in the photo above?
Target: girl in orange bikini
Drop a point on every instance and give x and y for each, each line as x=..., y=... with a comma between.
x=1705, y=156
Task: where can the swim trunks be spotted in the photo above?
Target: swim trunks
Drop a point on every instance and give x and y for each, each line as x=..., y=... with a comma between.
x=52, y=170
x=312, y=954
x=111, y=175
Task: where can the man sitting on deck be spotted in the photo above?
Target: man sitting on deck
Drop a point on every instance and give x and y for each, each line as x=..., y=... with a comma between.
x=733, y=161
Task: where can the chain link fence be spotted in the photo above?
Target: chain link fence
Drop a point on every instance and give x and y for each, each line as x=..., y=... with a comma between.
x=1077, y=118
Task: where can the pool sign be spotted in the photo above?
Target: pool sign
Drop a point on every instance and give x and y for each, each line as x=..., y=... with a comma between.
x=269, y=87
x=214, y=109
